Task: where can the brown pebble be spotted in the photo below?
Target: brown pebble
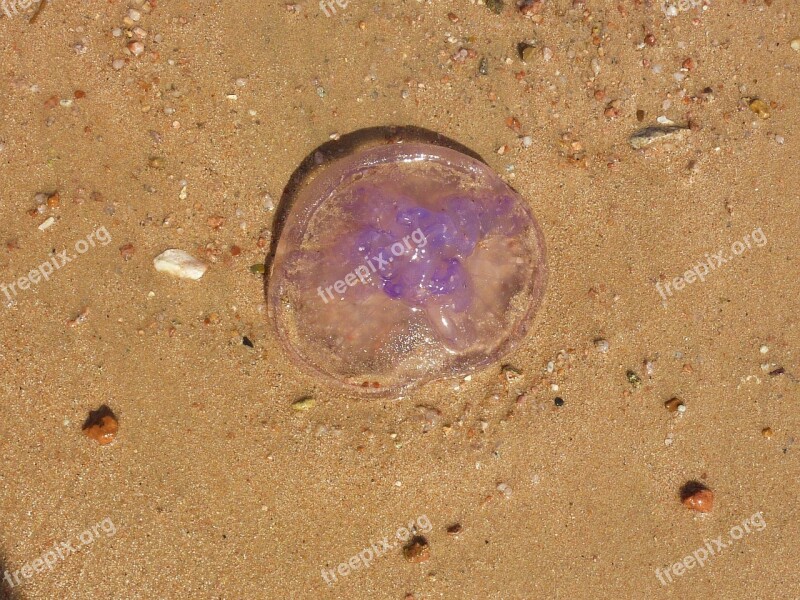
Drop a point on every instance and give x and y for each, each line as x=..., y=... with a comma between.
x=650, y=39
x=79, y=94
x=417, y=550
x=453, y=17
x=697, y=497
x=51, y=102
x=101, y=425
x=455, y=529
x=53, y=200
x=215, y=221
x=767, y=432
x=688, y=64
x=673, y=404
x=127, y=251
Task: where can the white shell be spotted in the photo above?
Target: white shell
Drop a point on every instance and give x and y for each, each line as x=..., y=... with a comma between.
x=179, y=264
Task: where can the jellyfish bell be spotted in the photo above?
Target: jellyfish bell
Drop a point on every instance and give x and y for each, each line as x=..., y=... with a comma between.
x=404, y=263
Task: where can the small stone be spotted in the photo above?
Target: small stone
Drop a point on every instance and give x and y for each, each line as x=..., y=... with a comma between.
x=795, y=44
x=455, y=529
x=559, y=402
x=134, y=15
x=215, y=221
x=303, y=404
x=257, y=269
x=673, y=404
x=767, y=432
x=764, y=349
x=118, y=64
x=136, y=47
x=633, y=379
x=602, y=345
x=101, y=425
x=697, y=497
x=417, y=550
x=505, y=489
x=156, y=162
x=760, y=107
x=529, y=54
x=179, y=264
x=645, y=137
x=47, y=224
x=127, y=251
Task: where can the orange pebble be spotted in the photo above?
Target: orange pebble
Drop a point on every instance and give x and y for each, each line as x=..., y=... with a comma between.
x=101, y=426
x=697, y=497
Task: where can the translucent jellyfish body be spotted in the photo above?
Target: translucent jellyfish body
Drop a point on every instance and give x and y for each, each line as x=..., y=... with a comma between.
x=402, y=264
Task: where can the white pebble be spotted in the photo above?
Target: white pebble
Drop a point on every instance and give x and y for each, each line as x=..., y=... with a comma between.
x=764, y=349
x=505, y=489
x=118, y=64
x=527, y=141
x=134, y=15
x=47, y=223
x=547, y=54
x=795, y=44
x=602, y=345
x=179, y=264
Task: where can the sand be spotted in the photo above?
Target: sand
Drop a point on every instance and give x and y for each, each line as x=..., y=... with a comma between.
x=215, y=487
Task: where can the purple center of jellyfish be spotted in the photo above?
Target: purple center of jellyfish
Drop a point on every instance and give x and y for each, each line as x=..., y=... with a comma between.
x=419, y=256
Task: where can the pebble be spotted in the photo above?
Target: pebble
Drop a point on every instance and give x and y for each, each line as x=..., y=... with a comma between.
x=649, y=135
x=505, y=489
x=127, y=251
x=633, y=379
x=101, y=425
x=674, y=405
x=417, y=551
x=795, y=44
x=760, y=107
x=136, y=48
x=602, y=345
x=455, y=529
x=767, y=432
x=303, y=404
x=179, y=264
x=697, y=497
x=118, y=64
x=47, y=224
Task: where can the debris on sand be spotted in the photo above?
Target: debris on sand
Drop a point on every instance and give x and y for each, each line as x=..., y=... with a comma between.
x=179, y=264
x=649, y=135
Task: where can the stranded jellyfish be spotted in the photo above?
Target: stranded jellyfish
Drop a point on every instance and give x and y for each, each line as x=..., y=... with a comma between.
x=405, y=263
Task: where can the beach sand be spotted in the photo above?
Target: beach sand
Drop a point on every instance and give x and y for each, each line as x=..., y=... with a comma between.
x=216, y=487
